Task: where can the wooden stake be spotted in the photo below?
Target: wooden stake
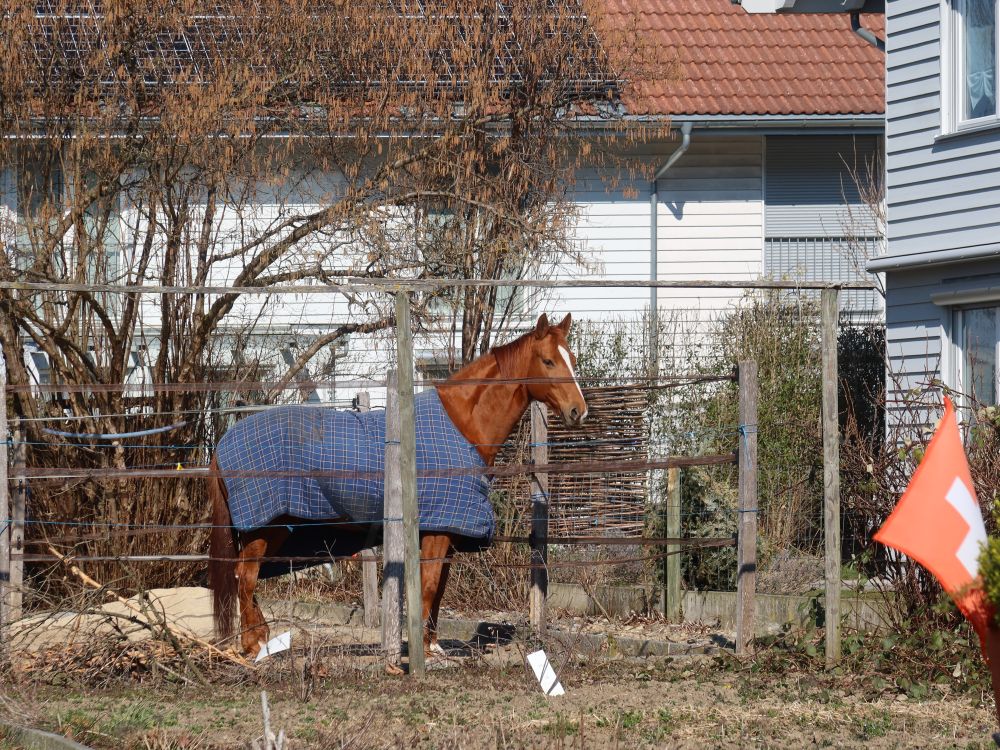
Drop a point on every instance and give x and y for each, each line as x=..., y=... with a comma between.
x=392, y=532
x=408, y=476
x=830, y=310
x=369, y=566
x=672, y=563
x=18, y=503
x=746, y=523
x=539, y=540
x=4, y=500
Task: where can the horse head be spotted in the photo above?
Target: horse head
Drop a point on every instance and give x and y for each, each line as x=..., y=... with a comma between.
x=550, y=370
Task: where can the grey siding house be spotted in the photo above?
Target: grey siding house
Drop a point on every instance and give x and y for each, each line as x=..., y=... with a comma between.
x=942, y=267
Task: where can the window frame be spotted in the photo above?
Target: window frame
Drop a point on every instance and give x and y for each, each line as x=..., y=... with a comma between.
x=953, y=73
x=958, y=350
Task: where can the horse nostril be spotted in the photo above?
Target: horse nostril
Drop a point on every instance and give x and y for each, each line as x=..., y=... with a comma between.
x=574, y=414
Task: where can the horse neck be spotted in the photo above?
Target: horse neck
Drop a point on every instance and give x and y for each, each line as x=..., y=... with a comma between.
x=484, y=412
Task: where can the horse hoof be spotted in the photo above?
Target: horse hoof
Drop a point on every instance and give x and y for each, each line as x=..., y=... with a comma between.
x=436, y=657
x=250, y=650
x=434, y=652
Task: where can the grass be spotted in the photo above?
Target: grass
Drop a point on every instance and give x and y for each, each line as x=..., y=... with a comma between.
x=110, y=718
x=883, y=695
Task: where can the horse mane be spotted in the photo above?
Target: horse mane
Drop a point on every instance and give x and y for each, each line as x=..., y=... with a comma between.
x=511, y=355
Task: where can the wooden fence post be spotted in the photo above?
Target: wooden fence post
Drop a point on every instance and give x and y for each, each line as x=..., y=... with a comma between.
x=5, y=520
x=408, y=475
x=392, y=531
x=539, y=539
x=672, y=563
x=369, y=566
x=19, y=502
x=746, y=522
x=830, y=311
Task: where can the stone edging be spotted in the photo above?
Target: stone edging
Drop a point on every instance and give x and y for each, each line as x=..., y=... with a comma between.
x=465, y=629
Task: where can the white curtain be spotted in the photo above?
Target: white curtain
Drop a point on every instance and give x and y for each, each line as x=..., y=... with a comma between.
x=980, y=57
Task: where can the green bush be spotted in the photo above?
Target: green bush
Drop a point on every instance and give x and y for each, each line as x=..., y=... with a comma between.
x=989, y=569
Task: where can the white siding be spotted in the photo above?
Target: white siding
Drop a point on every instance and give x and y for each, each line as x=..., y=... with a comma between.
x=711, y=221
x=942, y=195
x=710, y=225
x=939, y=192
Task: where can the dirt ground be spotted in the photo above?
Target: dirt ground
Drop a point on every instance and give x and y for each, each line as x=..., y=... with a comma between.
x=331, y=697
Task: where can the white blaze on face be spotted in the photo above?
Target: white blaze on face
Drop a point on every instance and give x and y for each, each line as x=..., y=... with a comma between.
x=569, y=364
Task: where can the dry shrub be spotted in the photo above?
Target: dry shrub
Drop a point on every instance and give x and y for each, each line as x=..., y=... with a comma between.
x=875, y=473
x=780, y=333
x=490, y=581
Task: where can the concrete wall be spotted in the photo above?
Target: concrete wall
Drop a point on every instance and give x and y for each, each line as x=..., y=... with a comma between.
x=771, y=611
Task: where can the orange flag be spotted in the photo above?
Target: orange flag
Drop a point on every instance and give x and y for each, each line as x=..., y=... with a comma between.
x=938, y=523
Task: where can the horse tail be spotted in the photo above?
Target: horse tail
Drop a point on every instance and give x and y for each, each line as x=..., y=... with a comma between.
x=222, y=556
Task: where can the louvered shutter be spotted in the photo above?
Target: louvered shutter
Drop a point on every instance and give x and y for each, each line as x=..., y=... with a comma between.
x=817, y=227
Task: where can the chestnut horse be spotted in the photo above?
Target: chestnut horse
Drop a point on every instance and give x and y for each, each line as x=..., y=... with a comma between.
x=485, y=411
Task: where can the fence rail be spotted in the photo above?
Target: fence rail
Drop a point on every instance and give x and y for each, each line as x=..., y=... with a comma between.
x=552, y=467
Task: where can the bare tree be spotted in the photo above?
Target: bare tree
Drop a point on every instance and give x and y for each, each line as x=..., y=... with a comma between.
x=258, y=143
x=864, y=221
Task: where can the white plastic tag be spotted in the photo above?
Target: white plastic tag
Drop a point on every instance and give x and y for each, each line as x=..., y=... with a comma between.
x=279, y=643
x=545, y=674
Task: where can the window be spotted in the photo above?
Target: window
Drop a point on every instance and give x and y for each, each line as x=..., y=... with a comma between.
x=39, y=201
x=444, y=243
x=432, y=368
x=103, y=241
x=971, y=64
x=977, y=337
x=822, y=210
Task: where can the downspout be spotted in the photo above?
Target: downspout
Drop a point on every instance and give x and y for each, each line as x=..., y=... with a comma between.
x=864, y=33
x=654, y=201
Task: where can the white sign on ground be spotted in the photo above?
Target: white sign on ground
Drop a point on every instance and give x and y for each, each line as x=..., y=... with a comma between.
x=279, y=643
x=545, y=674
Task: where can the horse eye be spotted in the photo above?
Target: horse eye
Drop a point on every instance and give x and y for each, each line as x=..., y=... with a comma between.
x=549, y=363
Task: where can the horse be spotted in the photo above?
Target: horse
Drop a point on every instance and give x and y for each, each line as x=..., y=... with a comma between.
x=480, y=406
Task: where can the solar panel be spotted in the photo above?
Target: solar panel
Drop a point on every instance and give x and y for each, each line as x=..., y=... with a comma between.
x=71, y=34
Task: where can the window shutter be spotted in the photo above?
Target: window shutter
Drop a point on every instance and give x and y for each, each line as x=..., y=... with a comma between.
x=817, y=227
x=811, y=180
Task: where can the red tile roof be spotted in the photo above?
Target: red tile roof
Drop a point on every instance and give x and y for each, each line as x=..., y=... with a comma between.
x=733, y=63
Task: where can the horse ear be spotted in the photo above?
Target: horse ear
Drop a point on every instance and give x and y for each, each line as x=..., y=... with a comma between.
x=542, y=326
x=565, y=324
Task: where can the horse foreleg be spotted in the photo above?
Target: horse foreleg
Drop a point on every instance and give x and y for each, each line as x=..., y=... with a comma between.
x=253, y=628
x=434, y=571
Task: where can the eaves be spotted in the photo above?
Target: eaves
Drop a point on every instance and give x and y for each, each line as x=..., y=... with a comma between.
x=912, y=261
x=856, y=124
x=869, y=124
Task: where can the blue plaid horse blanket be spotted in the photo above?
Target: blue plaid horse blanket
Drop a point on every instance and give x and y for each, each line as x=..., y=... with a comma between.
x=280, y=447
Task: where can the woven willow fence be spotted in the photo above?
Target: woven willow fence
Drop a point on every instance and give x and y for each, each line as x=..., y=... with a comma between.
x=599, y=503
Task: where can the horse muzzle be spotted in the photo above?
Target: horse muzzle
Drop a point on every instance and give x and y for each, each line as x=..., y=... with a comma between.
x=574, y=417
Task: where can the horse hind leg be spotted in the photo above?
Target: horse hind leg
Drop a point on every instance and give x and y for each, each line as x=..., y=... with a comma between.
x=434, y=570
x=254, y=631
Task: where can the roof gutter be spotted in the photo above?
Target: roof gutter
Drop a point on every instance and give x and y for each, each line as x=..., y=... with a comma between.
x=864, y=33
x=925, y=260
x=654, y=202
